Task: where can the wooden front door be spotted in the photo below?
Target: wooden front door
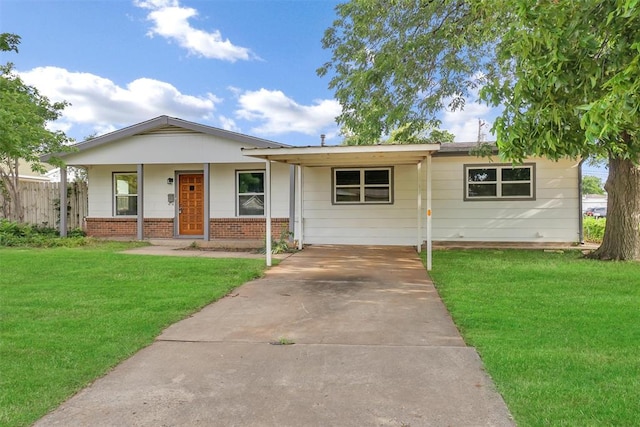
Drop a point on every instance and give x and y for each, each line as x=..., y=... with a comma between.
x=191, y=204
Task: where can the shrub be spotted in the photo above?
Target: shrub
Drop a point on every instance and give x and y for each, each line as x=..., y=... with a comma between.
x=594, y=229
x=39, y=236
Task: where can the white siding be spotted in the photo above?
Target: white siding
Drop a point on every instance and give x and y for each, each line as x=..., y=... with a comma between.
x=156, y=189
x=167, y=148
x=325, y=223
x=223, y=188
x=552, y=217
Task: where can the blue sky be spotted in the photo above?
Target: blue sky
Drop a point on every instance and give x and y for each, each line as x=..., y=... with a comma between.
x=244, y=65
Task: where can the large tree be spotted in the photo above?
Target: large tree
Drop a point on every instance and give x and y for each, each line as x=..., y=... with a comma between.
x=566, y=72
x=24, y=115
x=592, y=185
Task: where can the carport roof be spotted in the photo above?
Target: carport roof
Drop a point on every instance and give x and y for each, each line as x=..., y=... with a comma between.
x=346, y=155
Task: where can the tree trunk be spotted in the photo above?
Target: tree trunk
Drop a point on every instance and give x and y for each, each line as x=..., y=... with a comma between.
x=16, y=199
x=622, y=234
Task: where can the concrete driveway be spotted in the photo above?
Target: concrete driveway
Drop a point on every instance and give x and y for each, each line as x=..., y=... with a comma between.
x=374, y=346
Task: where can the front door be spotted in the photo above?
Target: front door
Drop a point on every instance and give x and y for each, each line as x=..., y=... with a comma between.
x=191, y=204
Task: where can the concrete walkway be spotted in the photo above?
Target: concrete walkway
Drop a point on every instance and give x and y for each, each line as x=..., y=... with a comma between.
x=374, y=346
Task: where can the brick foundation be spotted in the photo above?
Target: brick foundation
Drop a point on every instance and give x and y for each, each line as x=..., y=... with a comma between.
x=127, y=227
x=245, y=228
x=219, y=228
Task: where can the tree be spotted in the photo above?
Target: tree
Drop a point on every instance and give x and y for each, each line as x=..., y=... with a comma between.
x=433, y=136
x=24, y=114
x=567, y=73
x=592, y=185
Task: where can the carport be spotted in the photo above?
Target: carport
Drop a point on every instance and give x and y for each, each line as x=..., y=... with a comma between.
x=304, y=158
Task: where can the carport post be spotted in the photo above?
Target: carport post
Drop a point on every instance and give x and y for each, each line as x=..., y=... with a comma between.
x=298, y=226
x=140, y=213
x=419, y=205
x=267, y=210
x=429, y=212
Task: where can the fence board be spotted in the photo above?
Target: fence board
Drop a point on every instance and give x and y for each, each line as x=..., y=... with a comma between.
x=40, y=201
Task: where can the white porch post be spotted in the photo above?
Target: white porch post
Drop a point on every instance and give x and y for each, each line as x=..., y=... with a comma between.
x=206, y=172
x=267, y=209
x=419, y=206
x=299, y=192
x=140, y=217
x=63, y=201
x=429, y=212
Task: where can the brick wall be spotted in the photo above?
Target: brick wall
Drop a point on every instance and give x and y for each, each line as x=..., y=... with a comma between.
x=127, y=227
x=245, y=228
x=219, y=228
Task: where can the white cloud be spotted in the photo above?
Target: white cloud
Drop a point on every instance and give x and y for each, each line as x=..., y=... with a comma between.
x=280, y=114
x=171, y=21
x=464, y=123
x=103, y=106
x=228, y=124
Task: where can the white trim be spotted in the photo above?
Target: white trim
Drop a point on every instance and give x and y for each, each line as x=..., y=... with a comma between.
x=264, y=185
x=340, y=149
x=114, y=194
x=345, y=155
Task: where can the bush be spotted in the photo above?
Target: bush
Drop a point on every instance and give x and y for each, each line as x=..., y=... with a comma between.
x=39, y=236
x=593, y=229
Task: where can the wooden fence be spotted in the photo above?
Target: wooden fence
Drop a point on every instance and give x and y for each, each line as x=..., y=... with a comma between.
x=41, y=201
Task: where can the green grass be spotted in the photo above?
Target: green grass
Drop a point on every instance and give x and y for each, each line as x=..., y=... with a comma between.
x=67, y=315
x=559, y=334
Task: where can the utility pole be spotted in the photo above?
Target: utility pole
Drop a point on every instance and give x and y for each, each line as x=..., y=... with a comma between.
x=481, y=135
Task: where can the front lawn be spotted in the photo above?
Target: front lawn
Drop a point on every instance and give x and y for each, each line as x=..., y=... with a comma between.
x=67, y=315
x=559, y=335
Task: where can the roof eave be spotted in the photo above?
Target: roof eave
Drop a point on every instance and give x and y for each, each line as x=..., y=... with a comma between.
x=158, y=123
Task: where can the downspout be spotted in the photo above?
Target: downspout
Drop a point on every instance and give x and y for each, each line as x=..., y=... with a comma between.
x=580, y=218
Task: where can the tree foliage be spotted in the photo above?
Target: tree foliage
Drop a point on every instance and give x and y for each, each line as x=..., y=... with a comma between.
x=567, y=75
x=592, y=185
x=24, y=115
x=566, y=72
x=396, y=64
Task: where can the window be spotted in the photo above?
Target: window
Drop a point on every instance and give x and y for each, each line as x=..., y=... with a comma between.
x=125, y=193
x=250, y=193
x=484, y=182
x=352, y=186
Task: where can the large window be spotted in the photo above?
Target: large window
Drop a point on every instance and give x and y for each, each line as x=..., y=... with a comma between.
x=125, y=193
x=371, y=185
x=484, y=182
x=250, y=194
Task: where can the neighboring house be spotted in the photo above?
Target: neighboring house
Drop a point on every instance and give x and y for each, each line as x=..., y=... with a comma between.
x=591, y=201
x=26, y=174
x=171, y=178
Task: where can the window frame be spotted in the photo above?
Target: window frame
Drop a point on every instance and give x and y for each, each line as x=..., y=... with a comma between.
x=499, y=182
x=238, y=194
x=115, y=194
x=362, y=185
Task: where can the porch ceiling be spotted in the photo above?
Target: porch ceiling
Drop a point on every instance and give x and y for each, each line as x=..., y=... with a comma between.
x=346, y=155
